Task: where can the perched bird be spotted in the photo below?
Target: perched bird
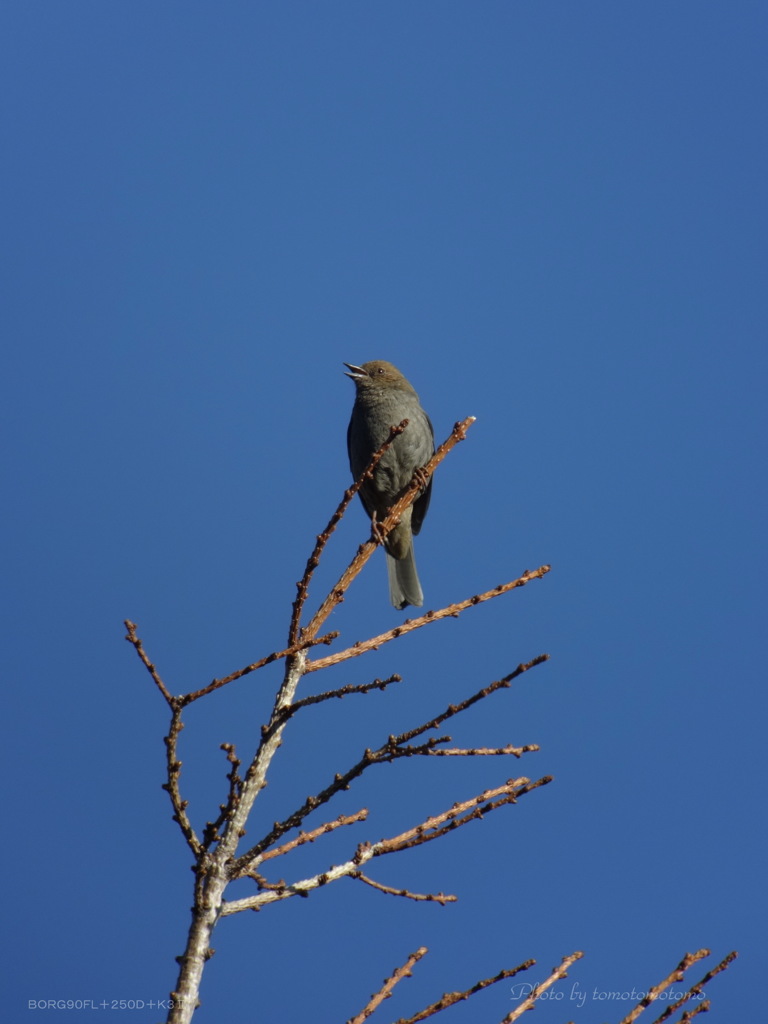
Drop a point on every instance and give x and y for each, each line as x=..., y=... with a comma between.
x=383, y=398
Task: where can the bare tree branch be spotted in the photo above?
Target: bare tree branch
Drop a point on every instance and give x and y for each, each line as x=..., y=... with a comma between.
x=556, y=974
x=439, y=897
x=302, y=587
x=677, y=975
x=434, y=827
x=310, y=837
x=386, y=990
x=480, y=751
x=387, y=752
x=451, y=611
x=460, y=814
x=132, y=638
x=342, y=691
x=698, y=988
x=336, y=595
x=486, y=691
x=451, y=998
x=216, y=684
x=173, y=767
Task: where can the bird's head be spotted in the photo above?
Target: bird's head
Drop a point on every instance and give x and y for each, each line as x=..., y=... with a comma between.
x=377, y=374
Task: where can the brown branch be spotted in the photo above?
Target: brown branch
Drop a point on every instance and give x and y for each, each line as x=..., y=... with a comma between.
x=653, y=993
x=321, y=830
x=477, y=751
x=451, y=998
x=556, y=974
x=386, y=990
x=302, y=587
x=387, y=752
x=173, y=766
x=364, y=552
x=458, y=815
x=456, y=709
x=677, y=975
x=211, y=833
x=132, y=638
x=216, y=684
x=282, y=714
x=343, y=691
x=690, y=1014
x=440, y=897
x=451, y=611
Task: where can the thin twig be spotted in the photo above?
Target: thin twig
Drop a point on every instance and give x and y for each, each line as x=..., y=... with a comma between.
x=211, y=833
x=173, y=767
x=456, y=709
x=460, y=814
x=451, y=998
x=698, y=989
x=451, y=611
x=653, y=993
x=439, y=897
x=386, y=753
x=556, y=974
x=384, y=526
x=343, y=691
x=132, y=638
x=302, y=587
x=386, y=990
x=321, y=830
x=216, y=684
x=478, y=751
x=440, y=824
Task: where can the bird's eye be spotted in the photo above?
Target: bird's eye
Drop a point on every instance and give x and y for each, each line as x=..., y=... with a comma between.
x=380, y=370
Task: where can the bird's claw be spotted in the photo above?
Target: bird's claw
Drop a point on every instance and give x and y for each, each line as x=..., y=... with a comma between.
x=421, y=477
x=376, y=530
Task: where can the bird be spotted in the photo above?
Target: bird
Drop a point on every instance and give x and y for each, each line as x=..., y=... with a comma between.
x=383, y=398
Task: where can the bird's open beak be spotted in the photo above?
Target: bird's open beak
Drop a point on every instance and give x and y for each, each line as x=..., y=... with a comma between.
x=355, y=372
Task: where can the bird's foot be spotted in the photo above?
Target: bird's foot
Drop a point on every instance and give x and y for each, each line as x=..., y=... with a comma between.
x=378, y=534
x=421, y=477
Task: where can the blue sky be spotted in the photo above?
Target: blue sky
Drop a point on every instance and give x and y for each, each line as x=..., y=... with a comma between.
x=550, y=216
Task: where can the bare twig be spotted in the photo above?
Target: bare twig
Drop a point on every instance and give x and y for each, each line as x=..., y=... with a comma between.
x=321, y=830
x=698, y=988
x=451, y=611
x=556, y=974
x=386, y=990
x=456, y=709
x=302, y=587
x=336, y=595
x=387, y=752
x=451, y=998
x=439, y=897
x=342, y=691
x=211, y=833
x=132, y=638
x=173, y=766
x=458, y=815
x=434, y=827
x=677, y=975
x=688, y=1016
x=216, y=684
x=476, y=751
x=654, y=992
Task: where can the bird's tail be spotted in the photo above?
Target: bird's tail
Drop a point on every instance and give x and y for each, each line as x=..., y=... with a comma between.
x=404, y=586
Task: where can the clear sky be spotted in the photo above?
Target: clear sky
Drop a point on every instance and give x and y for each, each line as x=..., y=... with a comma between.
x=549, y=215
